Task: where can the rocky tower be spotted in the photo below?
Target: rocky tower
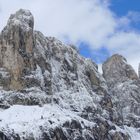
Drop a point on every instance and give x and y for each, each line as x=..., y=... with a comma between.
x=124, y=88
x=16, y=47
x=116, y=69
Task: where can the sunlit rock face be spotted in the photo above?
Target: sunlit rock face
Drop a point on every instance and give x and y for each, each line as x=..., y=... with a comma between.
x=48, y=91
x=16, y=47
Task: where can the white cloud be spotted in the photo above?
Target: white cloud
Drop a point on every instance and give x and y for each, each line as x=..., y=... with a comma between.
x=87, y=20
x=127, y=44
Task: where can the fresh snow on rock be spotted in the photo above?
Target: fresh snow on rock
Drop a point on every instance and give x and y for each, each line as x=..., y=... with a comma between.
x=48, y=91
x=27, y=120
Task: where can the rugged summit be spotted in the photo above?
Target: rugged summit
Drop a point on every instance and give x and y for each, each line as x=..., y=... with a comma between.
x=16, y=48
x=124, y=87
x=48, y=91
x=116, y=70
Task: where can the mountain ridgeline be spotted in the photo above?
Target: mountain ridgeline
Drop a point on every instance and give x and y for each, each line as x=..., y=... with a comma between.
x=48, y=91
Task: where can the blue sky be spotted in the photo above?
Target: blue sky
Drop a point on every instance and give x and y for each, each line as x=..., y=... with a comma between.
x=120, y=8
x=97, y=55
x=99, y=28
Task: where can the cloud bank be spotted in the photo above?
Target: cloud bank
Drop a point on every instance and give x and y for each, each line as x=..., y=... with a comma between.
x=76, y=21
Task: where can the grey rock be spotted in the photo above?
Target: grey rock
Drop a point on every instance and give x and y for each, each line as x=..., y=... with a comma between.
x=16, y=47
x=116, y=69
x=139, y=70
x=124, y=88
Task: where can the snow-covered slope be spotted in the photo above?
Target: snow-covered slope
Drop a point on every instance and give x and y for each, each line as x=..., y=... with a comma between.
x=48, y=121
x=48, y=91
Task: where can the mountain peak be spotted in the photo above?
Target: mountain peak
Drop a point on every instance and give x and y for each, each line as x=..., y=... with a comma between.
x=23, y=18
x=16, y=43
x=116, y=69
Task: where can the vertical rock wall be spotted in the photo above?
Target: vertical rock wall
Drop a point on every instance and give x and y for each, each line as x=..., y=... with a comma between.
x=16, y=47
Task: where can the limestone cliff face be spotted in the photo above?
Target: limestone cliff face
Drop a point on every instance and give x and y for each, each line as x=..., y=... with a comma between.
x=24, y=51
x=16, y=47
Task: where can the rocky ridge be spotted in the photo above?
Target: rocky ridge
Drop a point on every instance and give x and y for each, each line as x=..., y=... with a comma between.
x=49, y=91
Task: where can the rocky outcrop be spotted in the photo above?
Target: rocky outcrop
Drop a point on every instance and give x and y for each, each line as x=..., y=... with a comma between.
x=124, y=88
x=116, y=70
x=16, y=47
